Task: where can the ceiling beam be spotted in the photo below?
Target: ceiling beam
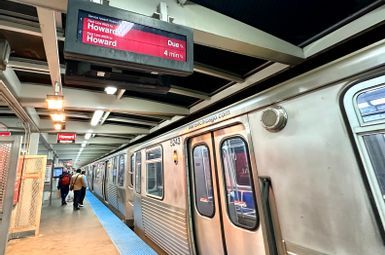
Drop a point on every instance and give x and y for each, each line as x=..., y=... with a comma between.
x=84, y=127
x=31, y=66
x=47, y=19
x=22, y=26
x=52, y=139
x=217, y=72
x=75, y=99
x=132, y=120
x=188, y=92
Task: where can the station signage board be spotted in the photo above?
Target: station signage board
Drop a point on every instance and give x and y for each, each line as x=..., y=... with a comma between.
x=114, y=37
x=5, y=133
x=66, y=137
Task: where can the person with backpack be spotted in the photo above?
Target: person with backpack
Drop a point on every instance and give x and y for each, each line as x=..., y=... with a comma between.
x=64, y=185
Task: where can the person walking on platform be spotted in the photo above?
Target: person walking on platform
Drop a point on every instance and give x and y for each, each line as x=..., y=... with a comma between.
x=83, y=190
x=77, y=182
x=64, y=185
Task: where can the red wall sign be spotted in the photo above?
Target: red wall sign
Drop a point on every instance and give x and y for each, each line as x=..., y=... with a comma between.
x=66, y=137
x=5, y=133
x=128, y=36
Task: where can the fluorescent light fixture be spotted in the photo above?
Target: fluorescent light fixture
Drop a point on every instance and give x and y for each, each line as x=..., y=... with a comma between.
x=88, y=134
x=58, y=116
x=378, y=101
x=110, y=90
x=55, y=102
x=84, y=144
x=96, y=117
x=58, y=125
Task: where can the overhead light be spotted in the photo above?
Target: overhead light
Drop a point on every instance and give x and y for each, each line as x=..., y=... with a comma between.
x=378, y=101
x=55, y=102
x=87, y=136
x=96, y=117
x=58, y=116
x=110, y=90
x=59, y=125
x=84, y=144
x=80, y=150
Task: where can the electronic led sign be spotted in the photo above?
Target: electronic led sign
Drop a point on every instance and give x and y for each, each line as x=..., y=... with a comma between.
x=114, y=37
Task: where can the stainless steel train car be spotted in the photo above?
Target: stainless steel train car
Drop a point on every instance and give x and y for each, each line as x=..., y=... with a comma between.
x=296, y=169
x=109, y=180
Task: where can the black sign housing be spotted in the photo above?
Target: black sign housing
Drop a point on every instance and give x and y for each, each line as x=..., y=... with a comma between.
x=106, y=46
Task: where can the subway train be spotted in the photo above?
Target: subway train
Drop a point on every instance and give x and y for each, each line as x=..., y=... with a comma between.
x=298, y=168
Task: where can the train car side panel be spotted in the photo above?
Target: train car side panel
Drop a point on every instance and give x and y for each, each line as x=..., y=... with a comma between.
x=322, y=203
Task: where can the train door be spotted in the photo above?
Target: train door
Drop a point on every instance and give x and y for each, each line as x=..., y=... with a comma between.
x=225, y=215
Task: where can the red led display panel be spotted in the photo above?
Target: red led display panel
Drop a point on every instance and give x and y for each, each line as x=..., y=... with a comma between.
x=122, y=35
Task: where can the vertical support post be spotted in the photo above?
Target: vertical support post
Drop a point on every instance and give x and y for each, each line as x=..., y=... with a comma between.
x=34, y=144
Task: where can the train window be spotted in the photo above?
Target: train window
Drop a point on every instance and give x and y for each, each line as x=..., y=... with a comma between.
x=121, y=170
x=131, y=171
x=110, y=167
x=375, y=145
x=203, y=181
x=154, y=172
x=114, y=169
x=239, y=189
x=138, y=171
x=371, y=104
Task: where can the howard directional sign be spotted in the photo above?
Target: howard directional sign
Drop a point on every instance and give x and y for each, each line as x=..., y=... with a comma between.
x=5, y=133
x=66, y=137
x=115, y=37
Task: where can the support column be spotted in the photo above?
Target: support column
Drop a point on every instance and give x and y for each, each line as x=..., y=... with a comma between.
x=34, y=144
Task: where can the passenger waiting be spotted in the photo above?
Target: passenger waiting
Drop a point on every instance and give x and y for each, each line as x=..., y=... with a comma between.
x=64, y=185
x=83, y=190
x=77, y=183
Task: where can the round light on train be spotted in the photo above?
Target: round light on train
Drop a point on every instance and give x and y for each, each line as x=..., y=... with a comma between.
x=274, y=118
x=175, y=157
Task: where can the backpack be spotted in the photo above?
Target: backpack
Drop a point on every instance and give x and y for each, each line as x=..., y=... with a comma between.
x=65, y=180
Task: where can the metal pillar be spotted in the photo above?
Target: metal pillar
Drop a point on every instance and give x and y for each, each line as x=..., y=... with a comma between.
x=34, y=144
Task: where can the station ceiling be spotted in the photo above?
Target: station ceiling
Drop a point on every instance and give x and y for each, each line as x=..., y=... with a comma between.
x=238, y=46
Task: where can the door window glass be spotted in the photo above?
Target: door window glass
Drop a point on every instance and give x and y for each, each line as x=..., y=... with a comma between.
x=131, y=171
x=239, y=190
x=375, y=145
x=114, y=169
x=121, y=170
x=138, y=171
x=202, y=181
x=154, y=172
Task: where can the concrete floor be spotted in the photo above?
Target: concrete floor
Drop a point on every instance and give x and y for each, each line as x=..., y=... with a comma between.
x=65, y=232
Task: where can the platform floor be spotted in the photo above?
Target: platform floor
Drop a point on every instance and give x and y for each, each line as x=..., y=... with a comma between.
x=64, y=231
